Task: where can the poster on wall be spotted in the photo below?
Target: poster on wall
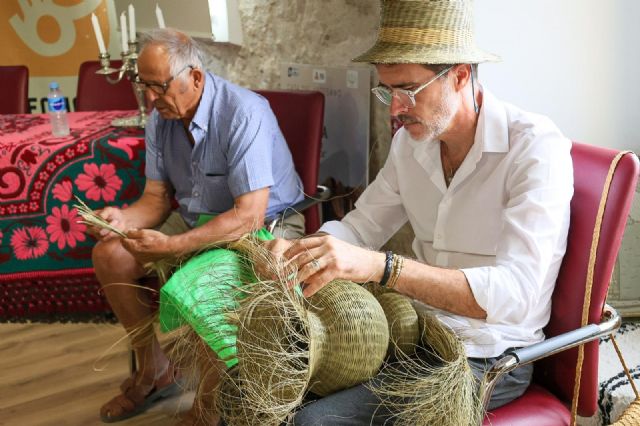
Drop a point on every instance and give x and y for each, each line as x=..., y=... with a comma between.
x=52, y=38
x=344, y=159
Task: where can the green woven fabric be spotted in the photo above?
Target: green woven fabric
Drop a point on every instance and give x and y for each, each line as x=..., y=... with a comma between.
x=201, y=293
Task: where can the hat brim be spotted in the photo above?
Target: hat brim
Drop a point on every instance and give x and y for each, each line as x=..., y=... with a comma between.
x=394, y=53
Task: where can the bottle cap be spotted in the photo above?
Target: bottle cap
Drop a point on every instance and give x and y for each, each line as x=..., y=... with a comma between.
x=53, y=85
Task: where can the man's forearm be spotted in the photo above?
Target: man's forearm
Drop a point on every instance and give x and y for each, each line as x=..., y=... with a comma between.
x=147, y=212
x=445, y=289
x=227, y=226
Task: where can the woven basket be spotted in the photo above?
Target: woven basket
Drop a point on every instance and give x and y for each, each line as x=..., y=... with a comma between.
x=630, y=416
x=437, y=388
x=288, y=345
x=349, y=337
x=404, y=327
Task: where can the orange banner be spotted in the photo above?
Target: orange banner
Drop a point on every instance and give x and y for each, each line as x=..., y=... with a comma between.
x=51, y=37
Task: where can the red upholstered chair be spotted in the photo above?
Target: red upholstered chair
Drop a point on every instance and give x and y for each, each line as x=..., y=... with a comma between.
x=300, y=115
x=95, y=93
x=14, y=86
x=548, y=400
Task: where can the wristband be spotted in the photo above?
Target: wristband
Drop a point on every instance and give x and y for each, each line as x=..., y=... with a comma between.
x=388, y=265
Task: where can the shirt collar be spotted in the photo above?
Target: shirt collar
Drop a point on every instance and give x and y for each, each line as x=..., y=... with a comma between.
x=492, y=133
x=203, y=112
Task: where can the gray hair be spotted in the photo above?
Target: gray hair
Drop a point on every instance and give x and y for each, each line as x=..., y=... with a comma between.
x=436, y=68
x=182, y=50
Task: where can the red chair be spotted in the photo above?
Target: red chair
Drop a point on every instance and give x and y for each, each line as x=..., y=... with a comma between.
x=95, y=93
x=548, y=400
x=14, y=86
x=300, y=115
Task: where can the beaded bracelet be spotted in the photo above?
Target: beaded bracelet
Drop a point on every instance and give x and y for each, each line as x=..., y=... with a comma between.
x=398, y=262
x=388, y=265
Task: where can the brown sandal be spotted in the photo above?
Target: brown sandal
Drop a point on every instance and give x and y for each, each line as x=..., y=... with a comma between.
x=136, y=399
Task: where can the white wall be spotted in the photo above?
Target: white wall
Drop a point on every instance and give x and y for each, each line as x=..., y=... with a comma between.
x=576, y=61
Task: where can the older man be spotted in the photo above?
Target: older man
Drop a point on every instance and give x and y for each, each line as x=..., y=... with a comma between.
x=215, y=148
x=485, y=186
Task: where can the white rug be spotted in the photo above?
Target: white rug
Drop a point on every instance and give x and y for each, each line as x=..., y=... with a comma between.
x=615, y=391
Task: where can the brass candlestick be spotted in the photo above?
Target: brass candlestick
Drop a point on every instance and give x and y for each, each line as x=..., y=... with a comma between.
x=129, y=69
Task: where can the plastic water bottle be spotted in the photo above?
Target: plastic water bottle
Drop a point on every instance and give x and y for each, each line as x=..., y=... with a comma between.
x=57, y=111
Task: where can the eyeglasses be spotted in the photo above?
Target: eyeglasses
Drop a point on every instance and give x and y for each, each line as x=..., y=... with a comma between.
x=405, y=97
x=159, y=88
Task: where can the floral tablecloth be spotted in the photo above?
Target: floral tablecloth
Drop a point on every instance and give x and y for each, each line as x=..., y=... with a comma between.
x=45, y=255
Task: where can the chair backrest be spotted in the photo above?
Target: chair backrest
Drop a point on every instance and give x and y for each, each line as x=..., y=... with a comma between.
x=300, y=115
x=590, y=168
x=14, y=86
x=95, y=93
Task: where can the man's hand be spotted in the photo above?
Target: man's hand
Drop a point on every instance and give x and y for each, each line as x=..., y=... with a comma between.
x=147, y=245
x=323, y=259
x=277, y=248
x=113, y=216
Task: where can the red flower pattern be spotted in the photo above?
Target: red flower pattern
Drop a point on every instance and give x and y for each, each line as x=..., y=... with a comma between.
x=64, y=227
x=125, y=144
x=63, y=191
x=99, y=182
x=29, y=242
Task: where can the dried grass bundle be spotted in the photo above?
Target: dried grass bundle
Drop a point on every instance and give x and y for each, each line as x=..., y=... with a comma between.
x=161, y=268
x=91, y=218
x=444, y=392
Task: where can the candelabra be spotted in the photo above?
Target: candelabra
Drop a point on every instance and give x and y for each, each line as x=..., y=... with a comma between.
x=129, y=69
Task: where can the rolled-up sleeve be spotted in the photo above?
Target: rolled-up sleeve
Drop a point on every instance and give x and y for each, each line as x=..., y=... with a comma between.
x=533, y=239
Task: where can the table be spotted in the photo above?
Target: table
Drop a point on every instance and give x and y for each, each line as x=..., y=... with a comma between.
x=45, y=255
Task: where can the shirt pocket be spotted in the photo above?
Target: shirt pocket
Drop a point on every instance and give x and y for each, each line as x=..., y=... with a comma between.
x=217, y=197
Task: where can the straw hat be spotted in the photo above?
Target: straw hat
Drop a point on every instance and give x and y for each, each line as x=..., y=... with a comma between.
x=426, y=32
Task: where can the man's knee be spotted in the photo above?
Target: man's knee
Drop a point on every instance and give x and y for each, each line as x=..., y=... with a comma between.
x=111, y=257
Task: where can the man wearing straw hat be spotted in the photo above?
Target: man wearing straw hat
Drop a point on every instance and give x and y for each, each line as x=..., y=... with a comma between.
x=217, y=149
x=485, y=186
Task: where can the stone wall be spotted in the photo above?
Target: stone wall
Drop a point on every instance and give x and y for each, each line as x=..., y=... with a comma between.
x=318, y=32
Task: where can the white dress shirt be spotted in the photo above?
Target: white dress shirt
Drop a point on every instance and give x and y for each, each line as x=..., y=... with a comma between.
x=503, y=220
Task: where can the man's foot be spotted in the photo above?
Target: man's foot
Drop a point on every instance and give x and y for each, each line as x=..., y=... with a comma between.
x=138, y=397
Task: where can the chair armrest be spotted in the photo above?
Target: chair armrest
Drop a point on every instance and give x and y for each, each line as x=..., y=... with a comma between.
x=322, y=194
x=518, y=357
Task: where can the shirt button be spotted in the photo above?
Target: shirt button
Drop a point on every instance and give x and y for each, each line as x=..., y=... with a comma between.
x=438, y=236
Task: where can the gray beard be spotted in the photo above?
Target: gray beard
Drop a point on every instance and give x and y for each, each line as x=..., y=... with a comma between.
x=442, y=116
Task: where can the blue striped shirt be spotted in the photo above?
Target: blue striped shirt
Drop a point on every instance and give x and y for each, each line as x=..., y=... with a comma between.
x=238, y=148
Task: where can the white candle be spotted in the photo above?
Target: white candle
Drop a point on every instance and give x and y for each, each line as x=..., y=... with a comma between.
x=123, y=32
x=98, y=32
x=159, y=16
x=132, y=24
